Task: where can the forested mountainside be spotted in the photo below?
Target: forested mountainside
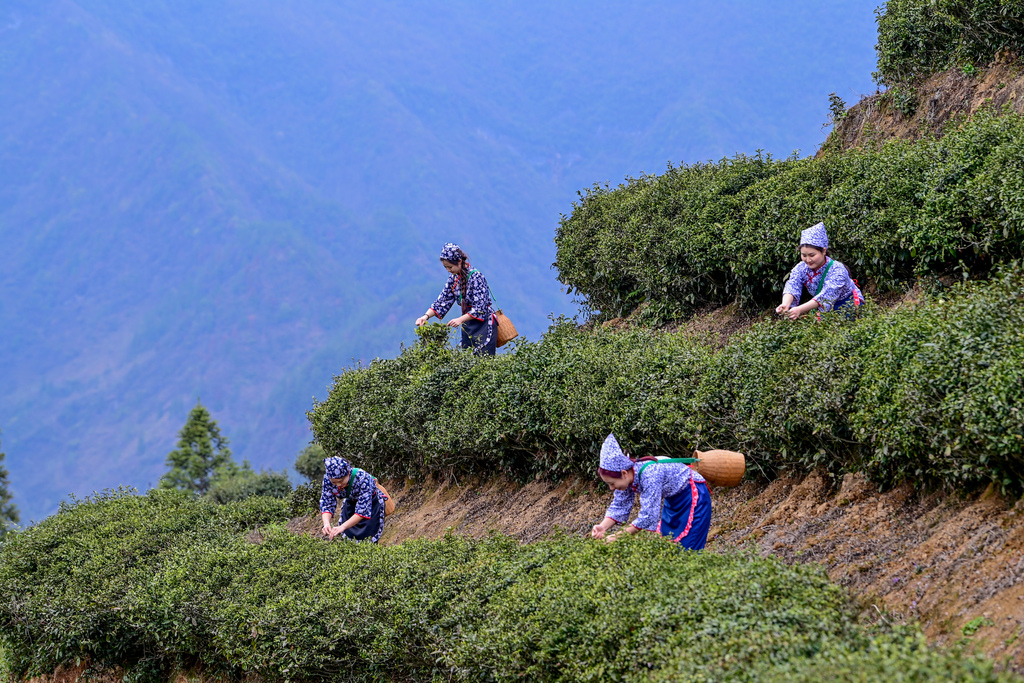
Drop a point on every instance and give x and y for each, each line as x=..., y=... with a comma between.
x=232, y=200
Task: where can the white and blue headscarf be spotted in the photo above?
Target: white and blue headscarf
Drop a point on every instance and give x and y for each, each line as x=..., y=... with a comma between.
x=815, y=236
x=337, y=468
x=451, y=252
x=612, y=457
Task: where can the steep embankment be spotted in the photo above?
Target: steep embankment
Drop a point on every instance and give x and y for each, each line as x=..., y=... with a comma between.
x=937, y=102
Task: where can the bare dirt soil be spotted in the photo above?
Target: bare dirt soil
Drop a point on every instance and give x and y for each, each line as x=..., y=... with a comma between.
x=938, y=100
x=953, y=563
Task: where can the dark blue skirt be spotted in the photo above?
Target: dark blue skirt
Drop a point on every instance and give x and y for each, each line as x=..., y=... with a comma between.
x=369, y=529
x=480, y=335
x=686, y=516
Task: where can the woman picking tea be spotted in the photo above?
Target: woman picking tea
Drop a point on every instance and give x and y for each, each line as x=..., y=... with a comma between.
x=825, y=279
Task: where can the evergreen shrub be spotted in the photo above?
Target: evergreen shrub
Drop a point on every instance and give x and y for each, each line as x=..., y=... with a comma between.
x=69, y=582
x=707, y=234
x=919, y=37
x=166, y=581
x=244, y=482
x=930, y=393
x=310, y=462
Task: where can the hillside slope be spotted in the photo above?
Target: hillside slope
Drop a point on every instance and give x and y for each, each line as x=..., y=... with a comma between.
x=929, y=108
x=951, y=562
x=232, y=200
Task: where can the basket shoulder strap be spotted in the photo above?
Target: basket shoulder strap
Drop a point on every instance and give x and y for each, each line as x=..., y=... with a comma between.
x=351, y=481
x=821, y=282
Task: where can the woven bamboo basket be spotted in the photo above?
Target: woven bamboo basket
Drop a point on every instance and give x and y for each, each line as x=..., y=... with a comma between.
x=506, y=330
x=389, y=504
x=720, y=468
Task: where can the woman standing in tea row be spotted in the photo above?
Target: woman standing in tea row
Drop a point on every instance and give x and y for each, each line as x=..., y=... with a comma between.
x=467, y=287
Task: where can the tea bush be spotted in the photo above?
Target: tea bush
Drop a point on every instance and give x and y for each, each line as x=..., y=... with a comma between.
x=710, y=233
x=65, y=580
x=919, y=37
x=930, y=393
x=305, y=499
x=310, y=462
x=163, y=581
x=245, y=483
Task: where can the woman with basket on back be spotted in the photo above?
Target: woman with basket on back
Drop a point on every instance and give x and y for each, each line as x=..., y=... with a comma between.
x=359, y=500
x=468, y=287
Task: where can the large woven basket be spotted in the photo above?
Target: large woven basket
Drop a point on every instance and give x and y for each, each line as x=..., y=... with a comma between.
x=720, y=468
x=389, y=504
x=506, y=330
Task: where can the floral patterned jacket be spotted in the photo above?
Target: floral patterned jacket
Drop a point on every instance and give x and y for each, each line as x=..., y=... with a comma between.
x=363, y=487
x=478, y=296
x=837, y=288
x=659, y=481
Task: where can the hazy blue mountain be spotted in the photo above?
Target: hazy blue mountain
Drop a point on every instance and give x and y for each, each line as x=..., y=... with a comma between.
x=232, y=200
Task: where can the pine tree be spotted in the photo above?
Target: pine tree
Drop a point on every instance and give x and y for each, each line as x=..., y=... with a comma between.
x=202, y=455
x=8, y=510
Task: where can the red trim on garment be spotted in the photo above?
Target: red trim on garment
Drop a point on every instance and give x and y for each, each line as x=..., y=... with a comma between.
x=811, y=277
x=363, y=516
x=694, y=497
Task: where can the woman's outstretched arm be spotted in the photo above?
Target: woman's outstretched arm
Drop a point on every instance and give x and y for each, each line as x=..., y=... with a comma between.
x=343, y=527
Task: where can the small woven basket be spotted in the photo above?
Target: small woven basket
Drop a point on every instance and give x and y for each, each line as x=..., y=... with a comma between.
x=720, y=468
x=506, y=330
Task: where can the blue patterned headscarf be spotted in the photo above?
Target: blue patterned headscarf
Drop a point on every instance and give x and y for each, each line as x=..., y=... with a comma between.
x=337, y=468
x=815, y=236
x=612, y=457
x=451, y=252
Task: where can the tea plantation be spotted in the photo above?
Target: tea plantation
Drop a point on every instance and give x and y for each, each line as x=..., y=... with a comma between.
x=931, y=393
x=710, y=233
x=163, y=581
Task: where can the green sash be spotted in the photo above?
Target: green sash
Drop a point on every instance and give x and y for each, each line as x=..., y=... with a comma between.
x=821, y=282
x=351, y=480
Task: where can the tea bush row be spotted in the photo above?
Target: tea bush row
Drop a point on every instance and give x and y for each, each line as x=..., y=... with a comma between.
x=709, y=233
x=161, y=582
x=931, y=393
x=919, y=37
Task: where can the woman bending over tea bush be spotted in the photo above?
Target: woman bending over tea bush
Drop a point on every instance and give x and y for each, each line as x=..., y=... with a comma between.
x=674, y=499
x=467, y=287
x=362, y=502
x=826, y=280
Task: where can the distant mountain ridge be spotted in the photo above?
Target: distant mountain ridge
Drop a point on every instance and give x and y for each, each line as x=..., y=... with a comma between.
x=233, y=200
